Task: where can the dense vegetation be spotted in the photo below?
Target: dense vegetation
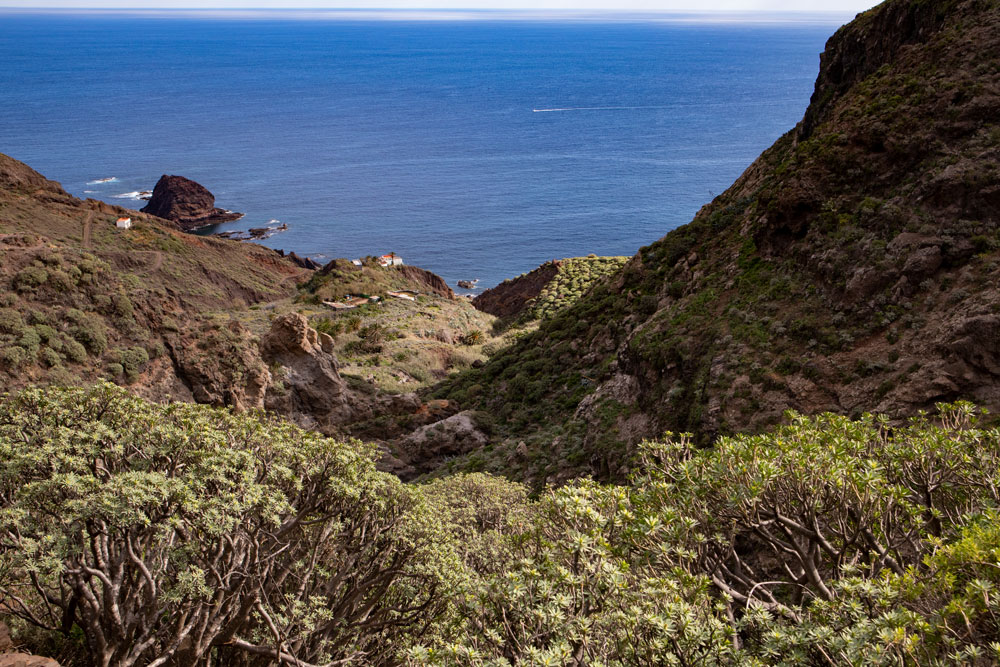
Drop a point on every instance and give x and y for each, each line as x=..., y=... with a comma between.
x=132, y=533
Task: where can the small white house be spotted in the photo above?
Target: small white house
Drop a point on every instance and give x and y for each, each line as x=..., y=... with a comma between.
x=356, y=262
x=123, y=223
x=390, y=260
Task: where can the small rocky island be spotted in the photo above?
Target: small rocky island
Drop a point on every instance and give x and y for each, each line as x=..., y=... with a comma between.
x=187, y=203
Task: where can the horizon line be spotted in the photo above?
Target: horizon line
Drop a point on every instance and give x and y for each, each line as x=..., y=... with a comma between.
x=446, y=13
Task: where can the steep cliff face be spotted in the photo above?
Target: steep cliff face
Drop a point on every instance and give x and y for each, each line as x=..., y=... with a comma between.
x=430, y=282
x=852, y=267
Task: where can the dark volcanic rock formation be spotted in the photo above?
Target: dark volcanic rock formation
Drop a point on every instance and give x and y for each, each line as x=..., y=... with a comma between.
x=303, y=262
x=187, y=203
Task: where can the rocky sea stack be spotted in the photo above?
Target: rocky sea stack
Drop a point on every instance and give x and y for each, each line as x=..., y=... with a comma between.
x=187, y=203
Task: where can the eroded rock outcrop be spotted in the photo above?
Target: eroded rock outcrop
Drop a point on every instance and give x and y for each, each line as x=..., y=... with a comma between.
x=308, y=389
x=187, y=203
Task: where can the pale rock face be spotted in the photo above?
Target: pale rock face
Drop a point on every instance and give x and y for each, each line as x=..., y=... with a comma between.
x=309, y=390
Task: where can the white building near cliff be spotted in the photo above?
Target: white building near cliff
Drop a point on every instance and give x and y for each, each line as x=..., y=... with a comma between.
x=124, y=223
x=390, y=260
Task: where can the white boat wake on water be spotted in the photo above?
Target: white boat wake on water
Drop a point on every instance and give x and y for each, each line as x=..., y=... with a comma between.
x=597, y=109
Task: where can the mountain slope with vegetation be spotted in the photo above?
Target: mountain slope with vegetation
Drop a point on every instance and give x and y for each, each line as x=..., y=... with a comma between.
x=84, y=299
x=852, y=267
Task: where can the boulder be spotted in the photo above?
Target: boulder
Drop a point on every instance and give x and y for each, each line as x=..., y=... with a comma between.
x=25, y=660
x=429, y=446
x=187, y=203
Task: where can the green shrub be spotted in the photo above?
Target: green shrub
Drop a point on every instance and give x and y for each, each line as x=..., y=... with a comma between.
x=13, y=357
x=30, y=341
x=371, y=338
x=11, y=322
x=122, y=310
x=132, y=361
x=46, y=333
x=328, y=326
x=474, y=337
x=74, y=351
x=61, y=281
x=29, y=278
x=49, y=357
x=89, y=331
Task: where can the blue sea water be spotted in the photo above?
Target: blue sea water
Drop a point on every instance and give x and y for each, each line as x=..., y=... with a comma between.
x=473, y=148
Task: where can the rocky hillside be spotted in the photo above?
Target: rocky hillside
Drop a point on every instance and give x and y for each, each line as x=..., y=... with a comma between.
x=83, y=299
x=853, y=267
x=177, y=317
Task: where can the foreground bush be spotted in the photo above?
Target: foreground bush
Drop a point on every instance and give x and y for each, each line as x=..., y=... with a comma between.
x=170, y=534
x=831, y=541
x=136, y=534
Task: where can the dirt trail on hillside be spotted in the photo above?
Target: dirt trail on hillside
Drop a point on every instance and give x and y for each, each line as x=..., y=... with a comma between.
x=87, y=224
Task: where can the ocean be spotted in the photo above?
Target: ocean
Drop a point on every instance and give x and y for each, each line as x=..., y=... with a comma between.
x=473, y=145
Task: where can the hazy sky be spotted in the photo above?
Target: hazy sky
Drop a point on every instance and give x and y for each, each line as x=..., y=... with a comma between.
x=843, y=6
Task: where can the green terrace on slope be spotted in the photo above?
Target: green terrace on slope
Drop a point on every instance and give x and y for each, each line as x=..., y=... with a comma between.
x=573, y=278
